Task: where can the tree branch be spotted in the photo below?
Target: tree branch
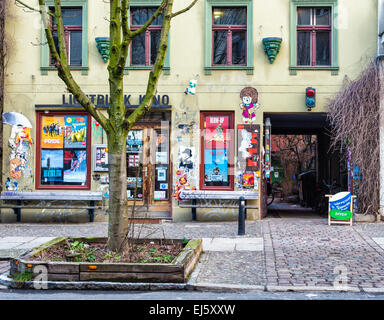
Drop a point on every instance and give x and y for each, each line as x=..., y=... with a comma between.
x=184, y=10
x=159, y=10
x=63, y=69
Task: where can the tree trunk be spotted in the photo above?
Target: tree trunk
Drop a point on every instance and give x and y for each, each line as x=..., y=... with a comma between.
x=118, y=209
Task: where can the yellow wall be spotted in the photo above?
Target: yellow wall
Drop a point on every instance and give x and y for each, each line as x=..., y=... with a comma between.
x=278, y=90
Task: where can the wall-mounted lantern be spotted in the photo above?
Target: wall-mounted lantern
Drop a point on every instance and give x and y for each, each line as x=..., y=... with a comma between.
x=272, y=47
x=102, y=44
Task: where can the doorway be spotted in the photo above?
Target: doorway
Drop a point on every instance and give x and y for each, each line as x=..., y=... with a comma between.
x=299, y=165
x=148, y=175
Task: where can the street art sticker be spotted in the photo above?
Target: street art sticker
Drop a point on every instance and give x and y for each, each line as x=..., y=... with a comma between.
x=249, y=97
x=185, y=158
x=182, y=183
x=52, y=132
x=249, y=147
x=19, y=141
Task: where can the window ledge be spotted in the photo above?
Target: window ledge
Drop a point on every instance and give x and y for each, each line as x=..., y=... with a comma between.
x=208, y=70
x=166, y=70
x=334, y=70
x=84, y=70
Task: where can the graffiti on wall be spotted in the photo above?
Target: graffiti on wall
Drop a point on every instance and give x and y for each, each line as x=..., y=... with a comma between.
x=19, y=142
x=249, y=97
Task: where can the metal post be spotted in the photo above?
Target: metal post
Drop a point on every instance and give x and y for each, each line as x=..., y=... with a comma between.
x=241, y=227
x=92, y=212
x=18, y=211
x=194, y=202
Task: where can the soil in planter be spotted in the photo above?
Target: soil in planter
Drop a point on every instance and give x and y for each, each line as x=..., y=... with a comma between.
x=78, y=251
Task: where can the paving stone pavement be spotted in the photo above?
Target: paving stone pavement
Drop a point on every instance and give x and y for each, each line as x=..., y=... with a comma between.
x=275, y=254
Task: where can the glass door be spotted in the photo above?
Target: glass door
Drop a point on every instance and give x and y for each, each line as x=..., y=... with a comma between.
x=148, y=169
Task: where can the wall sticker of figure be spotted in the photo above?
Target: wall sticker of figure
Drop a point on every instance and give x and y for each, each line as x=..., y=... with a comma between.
x=249, y=97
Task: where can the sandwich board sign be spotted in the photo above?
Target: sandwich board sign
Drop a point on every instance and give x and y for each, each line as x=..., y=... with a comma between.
x=340, y=206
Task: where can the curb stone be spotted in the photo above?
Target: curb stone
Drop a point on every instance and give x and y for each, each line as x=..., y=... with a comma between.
x=311, y=288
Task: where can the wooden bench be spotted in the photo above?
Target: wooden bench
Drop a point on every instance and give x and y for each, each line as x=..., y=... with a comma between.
x=18, y=200
x=240, y=196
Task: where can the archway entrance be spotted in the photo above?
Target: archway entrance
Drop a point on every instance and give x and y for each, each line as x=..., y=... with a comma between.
x=300, y=167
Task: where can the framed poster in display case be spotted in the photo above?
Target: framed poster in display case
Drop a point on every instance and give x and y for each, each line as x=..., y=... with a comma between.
x=100, y=157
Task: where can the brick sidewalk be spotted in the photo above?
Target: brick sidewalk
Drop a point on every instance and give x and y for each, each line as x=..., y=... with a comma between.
x=275, y=254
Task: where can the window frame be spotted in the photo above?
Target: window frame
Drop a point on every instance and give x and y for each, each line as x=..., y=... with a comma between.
x=333, y=5
x=229, y=29
x=208, y=36
x=128, y=66
x=231, y=157
x=67, y=31
x=45, y=57
x=147, y=45
x=38, y=185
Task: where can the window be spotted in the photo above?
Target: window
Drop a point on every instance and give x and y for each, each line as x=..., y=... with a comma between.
x=313, y=36
x=217, y=151
x=228, y=35
x=75, y=19
x=229, y=29
x=72, y=20
x=144, y=46
x=63, y=145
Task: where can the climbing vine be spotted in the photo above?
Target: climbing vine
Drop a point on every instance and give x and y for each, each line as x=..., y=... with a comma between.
x=354, y=116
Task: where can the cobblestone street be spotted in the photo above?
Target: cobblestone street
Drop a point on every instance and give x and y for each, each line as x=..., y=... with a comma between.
x=276, y=254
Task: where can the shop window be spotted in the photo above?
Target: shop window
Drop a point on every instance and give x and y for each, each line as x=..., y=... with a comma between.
x=217, y=145
x=228, y=35
x=75, y=19
x=63, y=151
x=72, y=20
x=313, y=36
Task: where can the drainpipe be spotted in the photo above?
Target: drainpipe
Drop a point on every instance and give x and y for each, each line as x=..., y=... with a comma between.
x=380, y=62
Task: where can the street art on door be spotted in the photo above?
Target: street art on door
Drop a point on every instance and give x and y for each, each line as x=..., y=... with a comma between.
x=20, y=142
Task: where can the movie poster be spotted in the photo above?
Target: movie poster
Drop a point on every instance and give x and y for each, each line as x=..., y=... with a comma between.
x=216, y=165
x=135, y=141
x=75, y=132
x=52, y=132
x=52, y=166
x=217, y=133
x=75, y=166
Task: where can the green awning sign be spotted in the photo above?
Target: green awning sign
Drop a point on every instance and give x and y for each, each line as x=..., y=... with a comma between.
x=341, y=215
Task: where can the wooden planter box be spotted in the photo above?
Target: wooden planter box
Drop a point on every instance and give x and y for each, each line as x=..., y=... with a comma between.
x=177, y=271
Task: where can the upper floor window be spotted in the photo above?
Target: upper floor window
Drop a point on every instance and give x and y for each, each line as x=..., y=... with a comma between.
x=314, y=36
x=229, y=34
x=73, y=30
x=144, y=47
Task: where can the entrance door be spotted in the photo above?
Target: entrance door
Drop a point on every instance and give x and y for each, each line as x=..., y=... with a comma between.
x=148, y=178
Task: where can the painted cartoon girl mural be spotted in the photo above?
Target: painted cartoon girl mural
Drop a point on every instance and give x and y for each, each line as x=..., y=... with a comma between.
x=249, y=105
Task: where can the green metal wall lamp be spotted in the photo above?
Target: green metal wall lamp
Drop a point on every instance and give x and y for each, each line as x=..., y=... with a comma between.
x=102, y=44
x=272, y=47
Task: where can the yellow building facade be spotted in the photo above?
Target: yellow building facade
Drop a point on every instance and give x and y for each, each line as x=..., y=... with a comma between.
x=219, y=44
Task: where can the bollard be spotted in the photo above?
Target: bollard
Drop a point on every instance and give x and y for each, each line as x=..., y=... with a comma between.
x=194, y=202
x=241, y=227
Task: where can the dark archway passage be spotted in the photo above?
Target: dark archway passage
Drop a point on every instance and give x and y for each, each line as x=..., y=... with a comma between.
x=303, y=165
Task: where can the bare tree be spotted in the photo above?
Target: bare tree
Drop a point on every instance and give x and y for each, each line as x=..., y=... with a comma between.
x=118, y=122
